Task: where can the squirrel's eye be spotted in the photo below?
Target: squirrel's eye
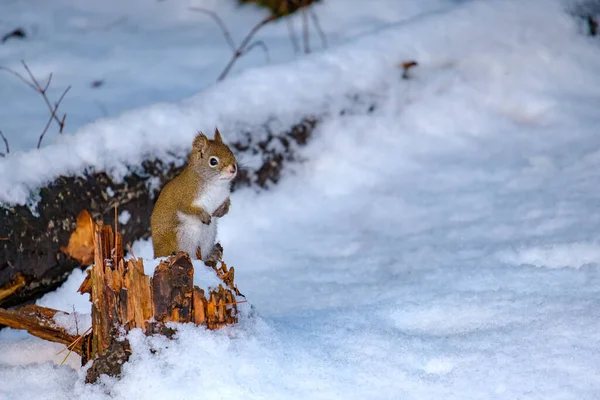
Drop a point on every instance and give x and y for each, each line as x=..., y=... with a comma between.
x=213, y=161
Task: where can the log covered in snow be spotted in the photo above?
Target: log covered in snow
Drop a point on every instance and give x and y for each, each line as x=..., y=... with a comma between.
x=35, y=256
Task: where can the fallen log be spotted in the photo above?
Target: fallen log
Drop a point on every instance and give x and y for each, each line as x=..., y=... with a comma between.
x=35, y=256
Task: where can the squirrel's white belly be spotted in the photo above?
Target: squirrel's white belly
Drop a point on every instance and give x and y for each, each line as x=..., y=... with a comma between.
x=213, y=196
x=192, y=233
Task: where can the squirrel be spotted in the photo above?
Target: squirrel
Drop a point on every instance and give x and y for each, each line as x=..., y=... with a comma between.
x=188, y=207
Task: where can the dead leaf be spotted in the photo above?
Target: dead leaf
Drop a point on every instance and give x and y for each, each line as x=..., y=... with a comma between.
x=81, y=242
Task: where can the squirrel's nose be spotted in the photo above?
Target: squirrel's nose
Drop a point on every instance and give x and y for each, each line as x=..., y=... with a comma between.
x=232, y=169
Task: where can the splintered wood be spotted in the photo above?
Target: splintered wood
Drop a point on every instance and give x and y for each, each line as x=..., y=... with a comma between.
x=39, y=321
x=17, y=283
x=124, y=297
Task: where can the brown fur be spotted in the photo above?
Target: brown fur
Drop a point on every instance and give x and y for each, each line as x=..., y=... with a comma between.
x=179, y=194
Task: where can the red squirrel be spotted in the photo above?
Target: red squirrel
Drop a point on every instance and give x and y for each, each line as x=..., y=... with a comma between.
x=188, y=207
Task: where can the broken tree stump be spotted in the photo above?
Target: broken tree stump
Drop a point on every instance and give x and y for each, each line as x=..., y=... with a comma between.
x=123, y=298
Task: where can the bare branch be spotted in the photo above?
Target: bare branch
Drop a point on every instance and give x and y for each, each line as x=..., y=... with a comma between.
x=15, y=73
x=47, y=83
x=317, y=24
x=240, y=50
x=219, y=22
x=35, y=85
x=305, y=30
x=592, y=25
x=35, y=82
x=61, y=122
x=76, y=320
x=261, y=44
x=5, y=145
x=293, y=36
x=62, y=96
x=41, y=90
x=39, y=144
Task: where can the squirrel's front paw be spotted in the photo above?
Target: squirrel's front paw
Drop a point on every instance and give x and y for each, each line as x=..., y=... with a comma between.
x=223, y=209
x=204, y=217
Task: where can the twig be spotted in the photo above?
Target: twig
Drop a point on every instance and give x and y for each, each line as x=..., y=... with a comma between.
x=240, y=50
x=61, y=122
x=15, y=73
x=293, y=36
x=317, y=24
x=39, y=144
x=305, y=31
x=35, y=85
x=261, y=44
x=592, y=25
x=406, y=67
x=219, y=22
x=130, y=250
x=42, y=91
x=72, y=345
x=47, y=83
x=6, y=146
x=76, y=320
x=234, y=303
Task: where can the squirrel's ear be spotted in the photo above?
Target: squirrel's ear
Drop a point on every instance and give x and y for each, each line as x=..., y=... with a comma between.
x=218, y=137
x=200, y=142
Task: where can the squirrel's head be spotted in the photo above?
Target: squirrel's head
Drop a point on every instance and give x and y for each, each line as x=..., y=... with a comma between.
x=212, y=159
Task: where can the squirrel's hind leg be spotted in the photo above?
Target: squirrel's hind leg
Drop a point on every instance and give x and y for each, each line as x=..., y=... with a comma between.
x=165, y=244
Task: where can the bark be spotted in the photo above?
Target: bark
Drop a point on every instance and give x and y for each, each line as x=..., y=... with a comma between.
x=172, y=288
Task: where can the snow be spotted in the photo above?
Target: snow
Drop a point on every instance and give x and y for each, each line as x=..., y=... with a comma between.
x=562, y=255
x=443, y=246
x=73, y=323
x=124, y=217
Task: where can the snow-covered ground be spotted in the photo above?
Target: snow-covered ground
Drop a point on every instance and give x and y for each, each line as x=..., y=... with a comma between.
x=445, y=246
